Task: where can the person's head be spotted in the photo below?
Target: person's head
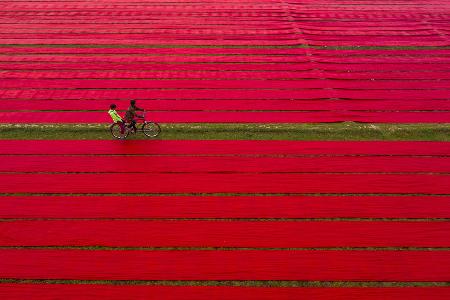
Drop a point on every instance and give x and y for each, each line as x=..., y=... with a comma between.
x=112, y=106
x=133, y=102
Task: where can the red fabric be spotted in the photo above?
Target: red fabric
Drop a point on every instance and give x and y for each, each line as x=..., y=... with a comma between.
x=390, y=94
x=234, y=117
x=156, y=50
x=223, y=84
x=11, y=73
x=131, y=207
x=125, y=59
x=145, y=40
x=383, y=59
x=378, y=41
x=229, y=105
x=393, y=74
x=250, y=66
x=374, y=67
x=112, y=292
x=411, y=53
x=415, y=76
x=107, y=183
x=160, y=66
x=224, y=39
x=307, y=94
x=257, y=234
x=224, y=147
x=208, y=58
x=216, y=164
x=400, y=24
x=415, y=266
x=224, y=56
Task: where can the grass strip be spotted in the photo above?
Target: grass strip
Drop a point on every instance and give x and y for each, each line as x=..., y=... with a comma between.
x=347, y=131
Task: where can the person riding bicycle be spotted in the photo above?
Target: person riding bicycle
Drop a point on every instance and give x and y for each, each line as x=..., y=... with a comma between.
x=131, y=114
x=116, y=118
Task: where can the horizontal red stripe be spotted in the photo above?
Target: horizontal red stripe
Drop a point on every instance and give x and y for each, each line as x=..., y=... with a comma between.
x=226, y=265
x=216, y=5
x=218, y=58
x=300, y=66
x=181, y=9
x=112, y=292
x=154, y=51
x=224, y=147
x=259, y=234
x=165, y=2
x=172, y=66
x=408, y=67
x=191, y=16
x=272, y=19
x=373, y=23
x=425, y=34
x=383, y=59
x=226, y=75
x=155, y=59
x=380, y=41
x=210, y=105
x=174, y=164
x=307, y=94
x=417, y=53
x=224, y=207
x=226, y=39
x=234, y=117
x=225, y=183
x=254, y=2
x=163, y=13
x=217, y=27
x=169, y=30
x=207, y=41
x=193, y=34
x=222, y=84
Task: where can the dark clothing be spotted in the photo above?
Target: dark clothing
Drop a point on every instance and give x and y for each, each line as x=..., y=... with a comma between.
x=122, y=126
x=133, y=124
x=131, y=113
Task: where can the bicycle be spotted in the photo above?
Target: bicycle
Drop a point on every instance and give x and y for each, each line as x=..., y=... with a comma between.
x=150, y=129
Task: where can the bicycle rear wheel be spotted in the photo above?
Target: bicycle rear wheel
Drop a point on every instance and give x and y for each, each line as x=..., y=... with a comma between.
x=151, y=129
x=116, y=132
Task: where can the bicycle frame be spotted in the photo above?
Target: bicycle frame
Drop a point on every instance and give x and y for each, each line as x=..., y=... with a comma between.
x=150, y=129
x=139, y=119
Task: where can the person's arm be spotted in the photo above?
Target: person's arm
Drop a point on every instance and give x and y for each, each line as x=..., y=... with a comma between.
x=139, y=109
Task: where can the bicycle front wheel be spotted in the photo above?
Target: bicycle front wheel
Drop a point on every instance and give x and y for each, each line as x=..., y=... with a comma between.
x=151, y=129
x=116, y=132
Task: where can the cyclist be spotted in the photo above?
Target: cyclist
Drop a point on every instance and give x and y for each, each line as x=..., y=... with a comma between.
x=116, y=118
x=131, y=114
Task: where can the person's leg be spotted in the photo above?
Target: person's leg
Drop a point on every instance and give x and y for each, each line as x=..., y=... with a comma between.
x=134, y=125
x=122, y=127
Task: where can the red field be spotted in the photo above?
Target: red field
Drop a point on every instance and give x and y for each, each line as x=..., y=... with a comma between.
x=182, y=219
x=255, y=61
x=387, y=209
